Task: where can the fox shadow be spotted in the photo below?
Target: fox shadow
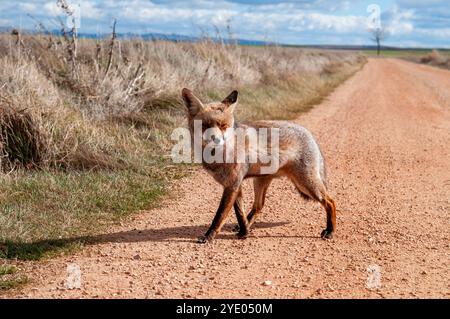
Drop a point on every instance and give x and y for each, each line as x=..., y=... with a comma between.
x=178, y=234
x=38, y=249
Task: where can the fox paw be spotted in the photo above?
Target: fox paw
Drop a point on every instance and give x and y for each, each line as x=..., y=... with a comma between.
x=242, y=234
x=204, y=239
x=327, y=234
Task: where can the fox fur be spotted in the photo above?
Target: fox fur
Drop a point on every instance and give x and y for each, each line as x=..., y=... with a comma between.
x=300, y=160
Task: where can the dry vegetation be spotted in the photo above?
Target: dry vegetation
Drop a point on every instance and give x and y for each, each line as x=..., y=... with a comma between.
x=435, y=58
x=85, y=124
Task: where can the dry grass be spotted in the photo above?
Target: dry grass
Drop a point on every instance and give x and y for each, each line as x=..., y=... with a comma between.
x=84, y=109
x=434, y=58
x=85, y=133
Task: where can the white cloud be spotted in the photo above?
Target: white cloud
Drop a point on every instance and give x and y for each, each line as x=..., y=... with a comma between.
x=421, y=3
x=340, y=24
x=400, y=21
x=291, y=21
x=5, y=22
x=87, y=9
x=28, y=7
x=52, y=9
x=435, y=33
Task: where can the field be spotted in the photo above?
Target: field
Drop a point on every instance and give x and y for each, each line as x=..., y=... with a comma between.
x=389, y=53
x=85, y=125
x=438, y=58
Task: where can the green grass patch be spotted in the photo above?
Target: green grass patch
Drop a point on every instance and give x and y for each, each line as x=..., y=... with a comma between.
x=10, y=277
x=7, y=270
x=436, y=58
x=397, y=53
x=44, y=212
x=403, y=53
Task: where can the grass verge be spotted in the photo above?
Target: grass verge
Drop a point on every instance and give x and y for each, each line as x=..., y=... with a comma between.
x=42, y=212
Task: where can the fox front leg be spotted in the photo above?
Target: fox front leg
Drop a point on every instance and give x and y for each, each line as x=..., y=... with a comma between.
x=226, y=203
x=242, y=228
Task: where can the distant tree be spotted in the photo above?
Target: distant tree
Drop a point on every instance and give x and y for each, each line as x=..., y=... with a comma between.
x=379, y=34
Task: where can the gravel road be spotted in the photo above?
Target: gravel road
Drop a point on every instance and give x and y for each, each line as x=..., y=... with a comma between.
x=385, y=134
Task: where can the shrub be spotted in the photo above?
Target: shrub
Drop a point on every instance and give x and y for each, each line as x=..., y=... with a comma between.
x=21, y=142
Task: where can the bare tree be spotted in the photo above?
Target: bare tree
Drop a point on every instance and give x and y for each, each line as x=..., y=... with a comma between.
x=378, y=34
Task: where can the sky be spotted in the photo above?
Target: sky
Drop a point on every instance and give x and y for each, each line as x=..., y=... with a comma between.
x=409, y=23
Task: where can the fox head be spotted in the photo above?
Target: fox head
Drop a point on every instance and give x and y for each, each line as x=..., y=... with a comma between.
x=215, y=117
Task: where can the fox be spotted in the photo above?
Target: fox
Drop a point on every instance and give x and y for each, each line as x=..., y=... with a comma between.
x=299, y=158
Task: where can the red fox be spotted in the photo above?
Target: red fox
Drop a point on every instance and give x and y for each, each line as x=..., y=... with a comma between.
x=299, y=159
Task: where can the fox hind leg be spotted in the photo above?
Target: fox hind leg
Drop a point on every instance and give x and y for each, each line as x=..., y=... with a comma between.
x=260, y=184
x=330, y=207
x=316, y=190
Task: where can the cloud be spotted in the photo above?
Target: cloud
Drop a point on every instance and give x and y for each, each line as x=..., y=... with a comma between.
x=340, y=24
x=421, y=3
x=439, y=34
x=5, y=22
x=28, y=7
x=285, y=21
x=87, y=9
x=52, y=9
x=398, y=21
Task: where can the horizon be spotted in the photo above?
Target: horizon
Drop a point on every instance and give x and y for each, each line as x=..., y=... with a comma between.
x=409, y=23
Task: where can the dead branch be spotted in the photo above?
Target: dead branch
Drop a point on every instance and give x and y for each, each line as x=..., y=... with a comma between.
x=111, y=50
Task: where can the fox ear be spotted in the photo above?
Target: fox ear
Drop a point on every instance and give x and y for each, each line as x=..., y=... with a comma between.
x=193, y=104
x=231, y=100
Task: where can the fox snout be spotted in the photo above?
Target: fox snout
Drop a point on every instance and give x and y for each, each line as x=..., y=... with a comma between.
x=217, y=140
x=214, y=135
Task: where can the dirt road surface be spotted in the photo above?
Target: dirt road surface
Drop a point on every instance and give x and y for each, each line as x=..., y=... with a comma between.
x=386, y=136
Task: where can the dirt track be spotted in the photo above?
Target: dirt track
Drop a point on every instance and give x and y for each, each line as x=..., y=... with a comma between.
x=386, y=136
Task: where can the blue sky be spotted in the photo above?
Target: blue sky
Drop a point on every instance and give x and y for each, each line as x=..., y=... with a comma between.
x=410, y=23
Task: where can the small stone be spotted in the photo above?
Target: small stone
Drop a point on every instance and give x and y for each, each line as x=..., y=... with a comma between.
x=267, y=283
